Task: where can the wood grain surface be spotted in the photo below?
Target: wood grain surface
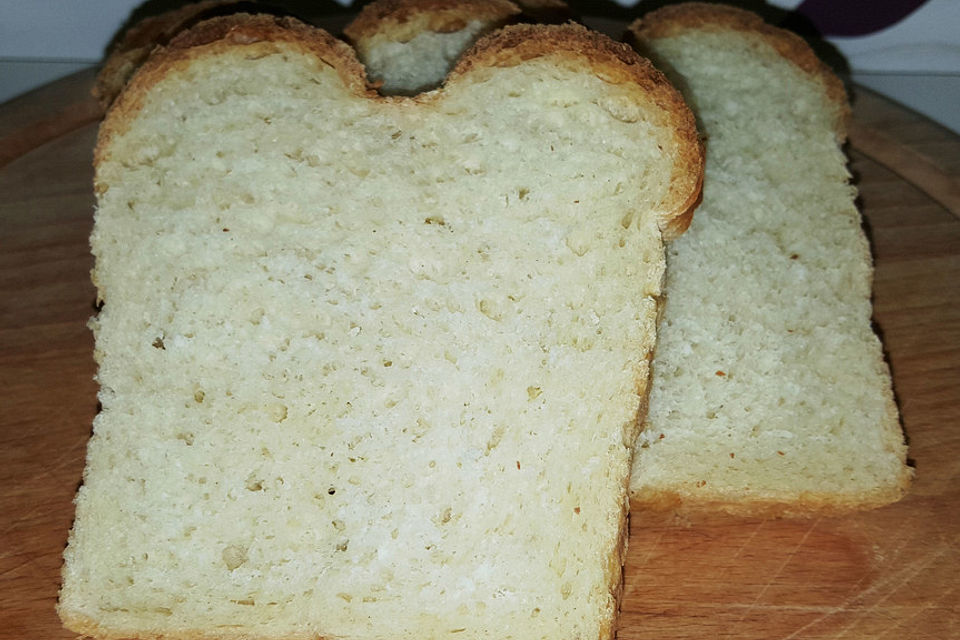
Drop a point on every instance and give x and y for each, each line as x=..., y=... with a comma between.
x=889, y=573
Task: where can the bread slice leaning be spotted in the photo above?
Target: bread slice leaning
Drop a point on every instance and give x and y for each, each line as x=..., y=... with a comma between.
x=372, y=367
x=770, y=393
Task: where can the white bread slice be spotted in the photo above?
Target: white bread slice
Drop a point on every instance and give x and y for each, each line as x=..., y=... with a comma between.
x=770, y=393
x=372, y=367
x=409, y=46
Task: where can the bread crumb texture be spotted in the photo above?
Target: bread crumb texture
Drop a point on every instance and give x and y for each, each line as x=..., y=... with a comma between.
x=409, y=46
x=769, y=385
x=422, y=62
x=369, y=367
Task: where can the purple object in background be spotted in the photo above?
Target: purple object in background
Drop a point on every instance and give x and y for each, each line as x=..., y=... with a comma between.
x=855, y=17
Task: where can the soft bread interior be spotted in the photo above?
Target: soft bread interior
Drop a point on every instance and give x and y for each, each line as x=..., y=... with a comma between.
x=421, y=63
x=770, y=391
x=369, y=367
x=409, y=46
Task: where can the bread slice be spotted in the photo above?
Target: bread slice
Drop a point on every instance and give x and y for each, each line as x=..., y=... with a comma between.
x=770, y=392
x=409, y=46
x=372, y=367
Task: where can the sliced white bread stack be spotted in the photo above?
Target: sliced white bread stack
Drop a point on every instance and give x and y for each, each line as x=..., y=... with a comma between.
x=770, y=392
x=772, y=397
x=372, y=367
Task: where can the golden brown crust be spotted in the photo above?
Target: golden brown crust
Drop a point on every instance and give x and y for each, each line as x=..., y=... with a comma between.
x=247, y=29
x=138, y=41
x=688, y=182
x=615, y=63
x=218, y=34
x=803, y=505
x=88, y=628
x=401, y=20
x=702, y=16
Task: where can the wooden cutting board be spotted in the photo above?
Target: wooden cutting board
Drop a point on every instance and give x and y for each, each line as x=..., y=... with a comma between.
x=890, y=573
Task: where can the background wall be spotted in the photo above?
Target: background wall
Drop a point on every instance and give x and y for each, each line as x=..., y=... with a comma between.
x=906, y=49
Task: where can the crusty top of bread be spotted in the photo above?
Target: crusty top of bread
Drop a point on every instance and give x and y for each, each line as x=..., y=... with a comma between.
x=616, y=63
x=370, y=366
x=134, y=45
x=569, y=44
x=710, y=17
x=219, y=34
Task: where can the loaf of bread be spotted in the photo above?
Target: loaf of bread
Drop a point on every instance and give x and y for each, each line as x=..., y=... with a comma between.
x=409, y=46
x=770, y=392
x=372, y=367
